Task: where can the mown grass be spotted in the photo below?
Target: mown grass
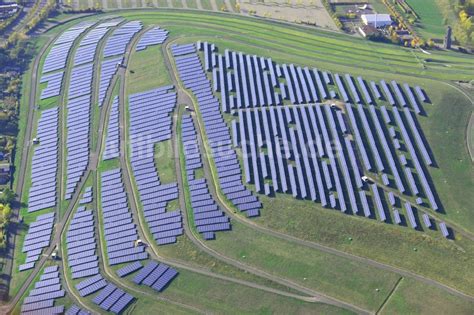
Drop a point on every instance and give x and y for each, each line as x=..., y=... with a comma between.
x=223, y=297
x=312, y=45
x=313, y=269
x=164, y=161
x=413, y=298
x=145, y=70
x=430, y=23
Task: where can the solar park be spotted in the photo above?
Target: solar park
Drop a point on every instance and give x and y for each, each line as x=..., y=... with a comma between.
x=259, y=140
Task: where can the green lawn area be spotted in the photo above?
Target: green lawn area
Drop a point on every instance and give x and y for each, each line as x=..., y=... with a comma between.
x=412, y=298
x=164, y=161
x=146, y=70
x=430, y=24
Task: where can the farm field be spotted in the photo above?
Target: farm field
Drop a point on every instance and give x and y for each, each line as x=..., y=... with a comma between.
x=431, y=20
x=151, y=181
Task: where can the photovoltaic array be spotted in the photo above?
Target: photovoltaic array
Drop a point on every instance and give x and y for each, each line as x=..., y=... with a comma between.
x=156, y=276
x=57, y=58
x=86, y=196
x=76, y=310
x=118, y=41
x=41, y=299
x=119, y=230
x=53, y=84
x=112, y=141
x=37, y=238
x=150, y=123
x=108, y=68
x=88, y=46
x=225, y=158
x=81, y=245
x=208, y=217
x=154, y=36
x=44, y=164
x=110, y=298
x=115, y=47
x=290, y=143
x=79, y=104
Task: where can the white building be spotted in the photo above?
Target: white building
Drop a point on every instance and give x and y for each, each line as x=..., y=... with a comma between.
x=376, y=20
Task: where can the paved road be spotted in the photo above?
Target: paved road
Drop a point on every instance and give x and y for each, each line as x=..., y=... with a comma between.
x=318, y=246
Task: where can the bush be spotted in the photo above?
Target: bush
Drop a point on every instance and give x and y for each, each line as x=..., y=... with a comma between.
x=7, y=197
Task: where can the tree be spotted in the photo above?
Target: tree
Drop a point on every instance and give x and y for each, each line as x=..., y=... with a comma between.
x=7, y=196
x=6, y=212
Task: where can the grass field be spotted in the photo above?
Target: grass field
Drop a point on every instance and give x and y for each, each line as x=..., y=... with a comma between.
x=430, y=24
x=164, y=162
x=411, y=297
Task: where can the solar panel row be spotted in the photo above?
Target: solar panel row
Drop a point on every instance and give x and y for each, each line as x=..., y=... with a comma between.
x=113, y=299
x=53, y=87
x=38, y=237
x=121, y=37
x=78, y=125
x=150, y=123
x=155, y=275
x=42, y=193
x=200, y=193
x=82, y=258
x=57, y=56
x=41, y=299
x=118, y=236
x=112, y=140
x=154, y=36
x=191, y=73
